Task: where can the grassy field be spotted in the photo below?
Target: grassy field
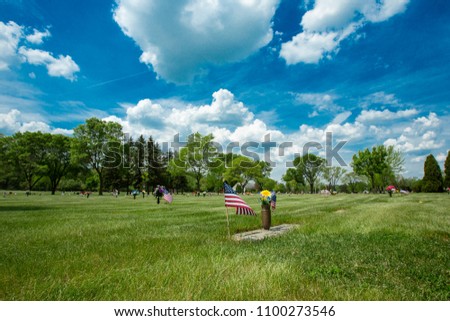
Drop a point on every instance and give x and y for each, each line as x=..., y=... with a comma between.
x=348, y=247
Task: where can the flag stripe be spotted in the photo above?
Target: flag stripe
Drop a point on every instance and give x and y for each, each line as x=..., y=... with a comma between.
x=167, y=196
x=234, y=200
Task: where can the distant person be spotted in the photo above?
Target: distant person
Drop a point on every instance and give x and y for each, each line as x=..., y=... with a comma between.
x=158, y=193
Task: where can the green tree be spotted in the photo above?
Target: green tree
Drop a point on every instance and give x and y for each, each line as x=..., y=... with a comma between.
x=126, y=172
x=92, y=182
x=311, y=167
x=406, y=184
x=268, y=184
x=97, y=144
x=178, y=176
x=432, y=181
x=394, y=162
x=281, y=188
x=214, y=179
x=333, y=175
x=417, y=186
x=369, y=163
x=242, y=170
x=57, y=159
x=294, y=179
x=262, y=175
x=26, y=152
x=355, y=183
x=447, y=171
x=198, y=156
x=156, y=163
x=379, y=165
x=139, y=160
x=70, y=184
x=7, y=171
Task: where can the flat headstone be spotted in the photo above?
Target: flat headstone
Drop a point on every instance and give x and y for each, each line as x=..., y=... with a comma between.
x=258, y=235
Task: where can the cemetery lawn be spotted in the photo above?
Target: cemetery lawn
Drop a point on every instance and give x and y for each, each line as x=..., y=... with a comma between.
x=347, y=247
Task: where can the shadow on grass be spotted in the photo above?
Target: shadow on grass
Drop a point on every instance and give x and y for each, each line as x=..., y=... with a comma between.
x=23, y=208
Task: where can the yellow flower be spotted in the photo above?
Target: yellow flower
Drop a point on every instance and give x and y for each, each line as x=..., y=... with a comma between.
x=265, y=197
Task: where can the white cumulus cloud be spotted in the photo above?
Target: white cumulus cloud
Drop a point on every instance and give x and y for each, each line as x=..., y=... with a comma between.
x=12, y=53
x=329, y=22
x=180, y=39
x=166, y=118
x=385, y=9
x=9, y=122
x=424, y=134
x=309, y=47
x=15, y=121
x=223, y=110
x=385, y=115
x=431, y=121
x=63, y=66
x=10, y=35
x=37, y=37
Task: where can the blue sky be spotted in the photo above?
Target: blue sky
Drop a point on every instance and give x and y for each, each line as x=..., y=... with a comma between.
x=371, y=72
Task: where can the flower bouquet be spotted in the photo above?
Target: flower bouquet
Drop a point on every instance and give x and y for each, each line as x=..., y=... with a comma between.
x=265, y=197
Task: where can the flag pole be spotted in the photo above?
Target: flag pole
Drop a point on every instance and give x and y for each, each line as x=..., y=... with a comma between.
x=228, y=224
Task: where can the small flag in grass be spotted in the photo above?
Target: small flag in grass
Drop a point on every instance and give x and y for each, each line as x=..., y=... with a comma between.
x=167, y=196
x=234, y=200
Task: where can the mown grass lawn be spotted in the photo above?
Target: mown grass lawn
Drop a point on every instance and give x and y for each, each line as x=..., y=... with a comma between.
x=348, y=247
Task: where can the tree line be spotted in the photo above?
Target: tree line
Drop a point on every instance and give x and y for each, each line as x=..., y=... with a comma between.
x=99, y=157
x=372, y=170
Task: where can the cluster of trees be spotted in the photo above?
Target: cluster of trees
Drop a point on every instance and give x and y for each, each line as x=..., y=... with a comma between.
x=373, y=169
x=98, y=157
x=26, y=158
x=433, y=181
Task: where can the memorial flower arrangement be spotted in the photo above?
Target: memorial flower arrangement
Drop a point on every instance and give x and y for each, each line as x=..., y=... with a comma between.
x=390, y=189
x=265, y=197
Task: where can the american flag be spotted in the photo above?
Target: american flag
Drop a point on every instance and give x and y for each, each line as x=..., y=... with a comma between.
x=233, y=200
x=273, y=202
x=167, y=196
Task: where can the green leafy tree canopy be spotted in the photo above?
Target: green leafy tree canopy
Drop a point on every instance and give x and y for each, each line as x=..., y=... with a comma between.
x=432, y=181
x=97, y=144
